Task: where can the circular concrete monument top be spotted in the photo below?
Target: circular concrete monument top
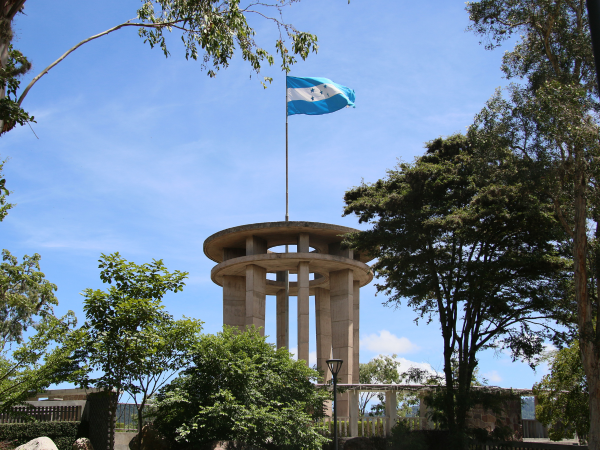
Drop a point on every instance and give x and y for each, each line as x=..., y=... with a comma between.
x=321, y=235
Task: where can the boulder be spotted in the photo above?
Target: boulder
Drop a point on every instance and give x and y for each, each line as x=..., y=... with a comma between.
x=41, y=443
x=151, y=440
x=82, y=444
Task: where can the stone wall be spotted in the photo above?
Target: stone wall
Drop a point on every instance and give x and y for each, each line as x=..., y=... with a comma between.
x=478, y=417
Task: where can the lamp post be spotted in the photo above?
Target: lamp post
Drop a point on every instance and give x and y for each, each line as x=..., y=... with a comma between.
x=334, y=366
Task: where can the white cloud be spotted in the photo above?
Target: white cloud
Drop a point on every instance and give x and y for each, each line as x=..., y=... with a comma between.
x=493, y=376
x=387, y=343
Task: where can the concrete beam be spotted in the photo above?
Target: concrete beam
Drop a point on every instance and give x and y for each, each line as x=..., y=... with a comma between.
x=234, y=301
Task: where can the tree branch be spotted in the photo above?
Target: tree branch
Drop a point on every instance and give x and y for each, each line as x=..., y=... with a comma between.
x=91, y=38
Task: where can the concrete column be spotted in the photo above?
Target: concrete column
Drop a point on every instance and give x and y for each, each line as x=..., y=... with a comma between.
x=256, y=280
x=341, y=284
x=234, y=301
x=256, y=285
x=323, y=319
x=255, y=246
x=390, y=411
x=303, y=307
x=303, y=244
x=283, y=315
x=353, y=395
x=356, y=337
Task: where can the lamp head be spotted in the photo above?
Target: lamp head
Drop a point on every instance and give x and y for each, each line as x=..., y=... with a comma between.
x=334, y=365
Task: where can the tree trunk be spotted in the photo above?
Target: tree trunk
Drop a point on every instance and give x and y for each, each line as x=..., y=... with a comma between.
x=587, y=335
x=3, y=60
x=140, y=412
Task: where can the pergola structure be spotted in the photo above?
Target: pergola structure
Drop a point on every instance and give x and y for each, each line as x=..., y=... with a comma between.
x=244, y=258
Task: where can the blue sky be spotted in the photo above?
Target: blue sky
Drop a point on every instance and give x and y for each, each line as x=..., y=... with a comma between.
x=148, y=156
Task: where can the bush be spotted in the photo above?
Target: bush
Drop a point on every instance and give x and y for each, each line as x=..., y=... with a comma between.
x=64, y=434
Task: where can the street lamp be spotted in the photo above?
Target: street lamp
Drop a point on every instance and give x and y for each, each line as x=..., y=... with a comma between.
x=334, y=366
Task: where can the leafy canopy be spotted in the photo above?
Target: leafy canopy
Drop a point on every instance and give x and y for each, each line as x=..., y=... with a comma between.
x=241, y=388
x=465, y=240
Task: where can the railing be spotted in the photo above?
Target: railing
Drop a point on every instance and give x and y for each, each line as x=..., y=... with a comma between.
x=371, y=426
x=515, y=445
x=42, y=414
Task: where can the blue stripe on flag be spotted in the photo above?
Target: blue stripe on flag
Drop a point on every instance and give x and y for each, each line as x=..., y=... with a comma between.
x=316, y=96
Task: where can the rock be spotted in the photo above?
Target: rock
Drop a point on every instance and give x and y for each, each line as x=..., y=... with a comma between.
x=41, y=443
x=151, y=440
x=82, y=444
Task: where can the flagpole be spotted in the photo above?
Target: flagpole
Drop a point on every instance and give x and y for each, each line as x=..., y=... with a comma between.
x=287, y=201
x=287, y=212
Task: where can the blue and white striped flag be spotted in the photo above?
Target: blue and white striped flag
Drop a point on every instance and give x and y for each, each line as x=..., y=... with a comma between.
x=316, y=96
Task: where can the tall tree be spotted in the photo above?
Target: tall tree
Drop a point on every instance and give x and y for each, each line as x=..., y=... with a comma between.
x=550, y=117
x=211, y=30
x=467, y=242
x=126, y=327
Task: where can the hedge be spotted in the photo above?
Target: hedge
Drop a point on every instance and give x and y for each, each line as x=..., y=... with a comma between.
x=64, y=434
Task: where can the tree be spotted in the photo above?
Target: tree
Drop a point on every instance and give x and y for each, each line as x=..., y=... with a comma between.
x=383, y=369
x=131, y=343
x=34, y=344
x=550, y=118
x=563, y=396
x=4, y=192
x=158, y=354
x=241, y=388
x=210, y=29
x=467, y=241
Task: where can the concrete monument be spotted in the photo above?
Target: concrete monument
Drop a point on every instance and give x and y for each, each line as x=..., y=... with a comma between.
x=244, y=258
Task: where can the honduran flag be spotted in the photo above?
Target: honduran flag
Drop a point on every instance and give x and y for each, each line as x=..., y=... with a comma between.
x=316, y=96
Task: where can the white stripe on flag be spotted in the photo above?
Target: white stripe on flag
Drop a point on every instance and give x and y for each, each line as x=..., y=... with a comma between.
x=313, y=93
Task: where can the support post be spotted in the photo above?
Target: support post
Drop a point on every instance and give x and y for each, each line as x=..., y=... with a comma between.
x=234, y=301
x=283, y=314
x=355, y=334
x=342, y=330
x=391, y=412
x=354, y=413
x=323, y=320
x=303, y=311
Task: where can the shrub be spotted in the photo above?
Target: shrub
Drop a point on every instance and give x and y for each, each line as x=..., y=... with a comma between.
x=64, y=434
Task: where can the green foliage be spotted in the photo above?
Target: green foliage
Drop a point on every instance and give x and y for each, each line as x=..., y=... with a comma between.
x=383, y=369
x=550, y=118
x=30, y=364
x=10, y=110
x=64, y=434
x=4, y=192
x=130, y=342
x=218, y=28
x=563, y=396
x=466, y=239
x=118, y=321
x=241, y=388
